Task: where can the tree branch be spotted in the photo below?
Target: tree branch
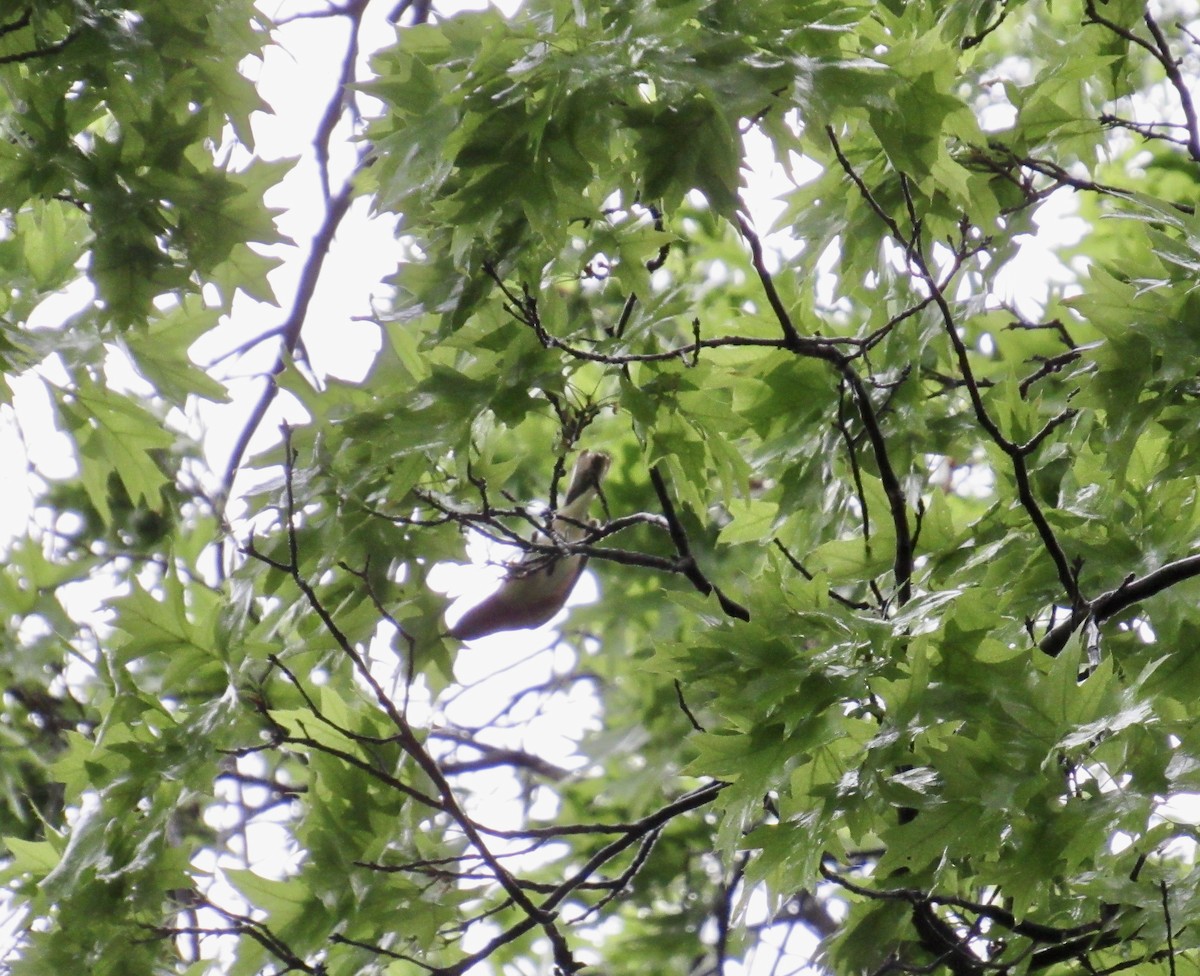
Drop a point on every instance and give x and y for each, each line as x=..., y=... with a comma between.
x=687, y=562
x=1132, y=590
x=289, y=330
x=1016, y=453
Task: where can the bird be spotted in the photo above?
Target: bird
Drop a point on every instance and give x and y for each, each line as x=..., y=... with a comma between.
x=537, y=584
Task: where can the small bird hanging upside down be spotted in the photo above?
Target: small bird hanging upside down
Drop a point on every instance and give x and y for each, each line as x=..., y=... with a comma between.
x=537, y=584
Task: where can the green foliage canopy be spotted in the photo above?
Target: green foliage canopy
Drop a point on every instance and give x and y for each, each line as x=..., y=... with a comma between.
x=897, y=576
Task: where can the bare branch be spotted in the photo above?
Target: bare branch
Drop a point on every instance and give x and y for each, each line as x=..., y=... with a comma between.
x=1132, y=590
x=41, y=52
x=289, y=330
x=1015, y=452
x=687, y=562
x=1160, y=51
x=817, y=349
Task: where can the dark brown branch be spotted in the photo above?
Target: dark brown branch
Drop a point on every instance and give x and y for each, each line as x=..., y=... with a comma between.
x=338, y=939
x=1149, y=131
x=369, y=768
x=892, y=490
x=22, y=21
x=1181, y=85
x=723, y=909
x=690, y=801
x=524, y=310
x=41, y=52
x=1053, y=325
x=420, y=11
x=974, y=40
x=683, y=707
x=1132, y=590
x=622, y=881
x=687, y=562
x=242, y=925
x=1015, y=452
x=995, y=913
x=364, y=577
x=1166, y=907
x=1050, y=364
x=1075, y=949
x=488, y=524
x=491, y=757
x=871, y=340
x=820, y=349
x=855, y=468
x=791, y=336
x=817, y=348
x=1048, y=428
x=641, y=828
x=833, y=594
x=1160, y=51
x=652, y=265
x=545, y=689
x=312, y=706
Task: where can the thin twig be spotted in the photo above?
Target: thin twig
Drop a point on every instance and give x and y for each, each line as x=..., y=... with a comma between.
x=406, y=738
x=1166, y=907
x=41, y=52
x=1015, y=452
x=342, y=94
x=1132, y=590
x=289, y=330
x=820, y=349
x=1160, y=50
x=687, y=562
x=683, y=707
